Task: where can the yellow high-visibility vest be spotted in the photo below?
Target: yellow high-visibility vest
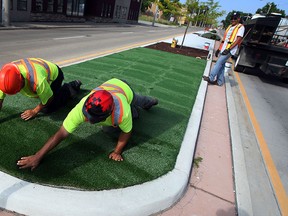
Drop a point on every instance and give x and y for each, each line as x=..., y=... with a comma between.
x=232, y=36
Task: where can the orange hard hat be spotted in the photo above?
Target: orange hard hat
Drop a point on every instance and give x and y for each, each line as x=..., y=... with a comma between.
x=10, y=79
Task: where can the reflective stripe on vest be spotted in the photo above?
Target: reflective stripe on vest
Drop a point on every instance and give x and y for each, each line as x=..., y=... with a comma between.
x=31, y=71
x=45, y=65
x=30, y=74
x=117, y=113
x=232, y=36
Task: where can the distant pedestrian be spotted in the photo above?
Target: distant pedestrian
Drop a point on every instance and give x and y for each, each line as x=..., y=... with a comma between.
x=228, y=47
x=36, y=78
x=113, y=104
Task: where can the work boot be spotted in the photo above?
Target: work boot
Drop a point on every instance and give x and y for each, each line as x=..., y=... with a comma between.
x=151, y=103
x=206, y=78
x=74, y=87
x=75, y=84
x=212, y=82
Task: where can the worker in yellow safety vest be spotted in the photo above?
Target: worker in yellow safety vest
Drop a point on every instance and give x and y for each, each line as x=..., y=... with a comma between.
x=36, y=78
x=112, y=105
x=228, y=47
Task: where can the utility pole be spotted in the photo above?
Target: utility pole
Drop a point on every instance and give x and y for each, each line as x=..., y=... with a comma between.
x=5, y=13
x=155, y=14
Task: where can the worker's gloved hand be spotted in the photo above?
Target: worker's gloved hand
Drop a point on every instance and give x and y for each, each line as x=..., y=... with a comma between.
x=226, y=52
x=217, y=53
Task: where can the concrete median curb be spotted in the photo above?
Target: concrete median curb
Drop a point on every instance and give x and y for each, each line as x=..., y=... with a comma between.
x=145, y=199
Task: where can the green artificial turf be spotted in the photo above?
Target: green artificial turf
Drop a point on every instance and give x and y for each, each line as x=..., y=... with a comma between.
x=81, y=161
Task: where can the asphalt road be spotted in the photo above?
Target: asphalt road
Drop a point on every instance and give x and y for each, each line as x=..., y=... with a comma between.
x=60, y=44
x=269, y=99
x=262, y=104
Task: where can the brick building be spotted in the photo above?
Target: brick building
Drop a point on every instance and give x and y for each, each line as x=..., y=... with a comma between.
x=124, y=11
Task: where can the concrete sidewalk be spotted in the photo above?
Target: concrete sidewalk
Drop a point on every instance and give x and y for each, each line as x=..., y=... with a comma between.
x=47, y=25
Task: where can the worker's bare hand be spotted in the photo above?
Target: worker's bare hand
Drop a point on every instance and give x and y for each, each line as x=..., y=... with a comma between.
x=28, y=114
x=115, y=156
x=28, y=162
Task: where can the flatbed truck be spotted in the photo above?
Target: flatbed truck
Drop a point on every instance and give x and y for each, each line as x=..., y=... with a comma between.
x=265, y=47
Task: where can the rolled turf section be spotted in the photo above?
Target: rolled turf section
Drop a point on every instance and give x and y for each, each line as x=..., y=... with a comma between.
x=81, y=161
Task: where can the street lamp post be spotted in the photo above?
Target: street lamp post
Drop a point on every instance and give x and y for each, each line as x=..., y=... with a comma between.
x=269, y=8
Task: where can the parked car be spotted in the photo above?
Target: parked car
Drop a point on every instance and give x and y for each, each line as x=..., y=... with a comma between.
x=212, y=36
x=209, y=34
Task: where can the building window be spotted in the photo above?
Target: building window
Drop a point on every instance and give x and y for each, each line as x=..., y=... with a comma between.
x=50, y=4
x=39, y=6
x=60, y=6
x=22, y=5
x=121, y=12
x=75, y=7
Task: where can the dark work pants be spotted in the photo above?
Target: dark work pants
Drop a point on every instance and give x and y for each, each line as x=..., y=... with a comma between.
x=61, y=93
x=139, y=101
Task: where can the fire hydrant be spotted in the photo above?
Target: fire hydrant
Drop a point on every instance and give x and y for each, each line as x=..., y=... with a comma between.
x=174, y=43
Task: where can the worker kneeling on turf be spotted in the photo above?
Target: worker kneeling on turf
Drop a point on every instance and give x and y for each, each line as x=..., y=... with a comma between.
x=38, y=78
x=112, y=104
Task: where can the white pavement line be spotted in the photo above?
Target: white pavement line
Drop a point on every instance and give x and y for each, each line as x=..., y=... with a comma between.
x=66, y=38
x=141, y=200
x=242, y=189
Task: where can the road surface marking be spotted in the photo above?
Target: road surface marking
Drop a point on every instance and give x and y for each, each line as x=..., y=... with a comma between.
x=98, y=54
x=65, y=38
x=279, y=189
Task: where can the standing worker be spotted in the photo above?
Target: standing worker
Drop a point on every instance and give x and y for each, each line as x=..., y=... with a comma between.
x=228, y=47
x=112, y=104
x=36, y=78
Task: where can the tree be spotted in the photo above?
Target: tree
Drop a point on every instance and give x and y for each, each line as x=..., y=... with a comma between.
x=270, y=8
x=213, y=13
x=170, y=8
x=145, y=5
x=203, y=14
x=192, y=9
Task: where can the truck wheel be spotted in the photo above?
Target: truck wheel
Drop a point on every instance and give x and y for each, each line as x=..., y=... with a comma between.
x=238, y=67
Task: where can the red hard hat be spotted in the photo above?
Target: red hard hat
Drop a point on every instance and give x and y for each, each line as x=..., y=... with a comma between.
x=10, y=79
x=98, y=106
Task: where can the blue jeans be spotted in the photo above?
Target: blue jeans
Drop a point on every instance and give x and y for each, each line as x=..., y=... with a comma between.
x=218, y=69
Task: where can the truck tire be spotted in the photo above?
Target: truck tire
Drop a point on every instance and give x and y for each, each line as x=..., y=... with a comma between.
x=238, y=67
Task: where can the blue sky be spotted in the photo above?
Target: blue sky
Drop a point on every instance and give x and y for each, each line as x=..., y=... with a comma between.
x=248, y=6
